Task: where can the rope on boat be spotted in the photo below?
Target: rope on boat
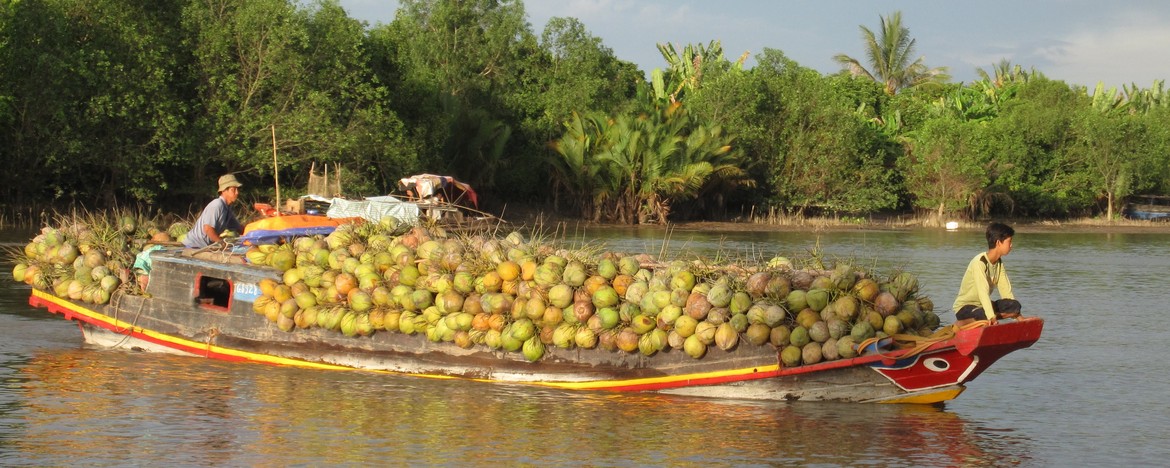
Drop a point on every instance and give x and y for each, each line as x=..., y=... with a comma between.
x=915, y=345
x=118, y=293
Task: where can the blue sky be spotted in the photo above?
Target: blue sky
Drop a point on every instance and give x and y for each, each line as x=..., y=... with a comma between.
x=1078, y=41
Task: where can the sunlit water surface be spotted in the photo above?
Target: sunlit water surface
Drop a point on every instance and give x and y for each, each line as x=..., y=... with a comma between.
x=1091, y=391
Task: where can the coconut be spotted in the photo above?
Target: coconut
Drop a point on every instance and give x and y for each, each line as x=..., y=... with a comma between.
x=757, y=283
x=574, y=274
x=627, y=340
x=797, y=299
x=609, y=317
x=706, y=332
x=819, y=332
x=636, y=291
x=861, y=331
x=778, y=288
x=583, y=310
x=799, y=336
x=668, y=315
x=757, y=333
x=739, y=322
x=845, y=347
x=641, y=324
x=807, y=317
x=698, y=306
x=801, y=279
x=892, y=325
x=560, y=295
x=685, y=325
x=885, y=303
x=720, y=295
x=694, y=347
x=829, y=350
x=628, y=266
x=585, y=338
x=683, y=280
x=605, y=297
x=866, y=289
x=791, y=356
x=846, y=308
x=811, y=353
x=564, y=336
x=533, y=349
x=649, y=343
x=621, y=284
x=843, y=276
x=740, y=302
x=818, y=298
x=718, y=315
x=726, y=337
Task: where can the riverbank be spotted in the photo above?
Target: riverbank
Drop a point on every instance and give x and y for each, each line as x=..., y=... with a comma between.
x=546, y=221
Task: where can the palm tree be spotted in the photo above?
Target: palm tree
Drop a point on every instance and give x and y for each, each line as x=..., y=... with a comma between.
x=890, y=58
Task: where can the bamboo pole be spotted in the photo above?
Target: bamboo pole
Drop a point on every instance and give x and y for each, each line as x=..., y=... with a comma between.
x=275, y=168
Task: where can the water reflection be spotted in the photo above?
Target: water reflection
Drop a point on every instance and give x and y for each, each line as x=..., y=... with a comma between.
x=87, y=404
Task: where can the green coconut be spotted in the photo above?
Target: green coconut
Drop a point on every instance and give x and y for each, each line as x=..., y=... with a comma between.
x=861, y=331
x=845, y=347
x=807, y=317
x=533, y=349
x=799, y=336
x=797, y=299
x=738, y=321
x=740, y=302
x=585, y=338
x=574, y=274
x=791, y=356
x=694, y=347
x=606, y=296
x=720, y=295
x=893, y=326
x=683, y=280
x=818, y=298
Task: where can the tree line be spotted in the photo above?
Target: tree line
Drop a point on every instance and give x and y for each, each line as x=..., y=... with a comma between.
x=108, y=102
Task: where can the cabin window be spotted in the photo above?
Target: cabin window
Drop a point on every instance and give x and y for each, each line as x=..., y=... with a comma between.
x=214, y=293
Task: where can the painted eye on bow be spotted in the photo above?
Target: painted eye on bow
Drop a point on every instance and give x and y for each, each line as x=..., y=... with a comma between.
x=937, y=364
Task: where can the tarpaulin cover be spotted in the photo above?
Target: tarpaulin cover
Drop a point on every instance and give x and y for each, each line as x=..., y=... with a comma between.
x=271, y=230
x=374, y=209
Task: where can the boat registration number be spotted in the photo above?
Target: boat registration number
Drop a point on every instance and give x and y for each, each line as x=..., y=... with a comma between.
x=247, y=292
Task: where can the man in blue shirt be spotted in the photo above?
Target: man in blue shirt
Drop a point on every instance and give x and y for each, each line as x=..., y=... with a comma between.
x=217, y=217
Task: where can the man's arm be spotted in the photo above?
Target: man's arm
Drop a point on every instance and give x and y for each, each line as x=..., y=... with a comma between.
x=209, y=230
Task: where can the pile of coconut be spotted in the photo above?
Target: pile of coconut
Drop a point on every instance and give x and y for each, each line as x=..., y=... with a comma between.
x=513, y=294
x=517, y=295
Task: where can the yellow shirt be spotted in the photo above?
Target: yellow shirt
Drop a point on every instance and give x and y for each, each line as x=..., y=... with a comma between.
x=983, y=277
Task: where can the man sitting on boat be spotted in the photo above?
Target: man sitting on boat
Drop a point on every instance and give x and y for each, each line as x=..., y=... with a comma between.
x=217, y=217
x=984, y=275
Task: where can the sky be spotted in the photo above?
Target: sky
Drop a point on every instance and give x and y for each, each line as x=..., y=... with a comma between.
x=1082, y=42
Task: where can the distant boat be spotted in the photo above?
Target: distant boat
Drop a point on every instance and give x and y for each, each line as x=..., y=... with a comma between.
x=1148, y=207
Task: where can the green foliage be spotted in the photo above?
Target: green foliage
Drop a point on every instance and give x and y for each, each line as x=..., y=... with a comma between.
x=890, y=54
x=631, y=168
x=111, y=102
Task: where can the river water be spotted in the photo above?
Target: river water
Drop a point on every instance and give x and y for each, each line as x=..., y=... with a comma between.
x=1091, y=391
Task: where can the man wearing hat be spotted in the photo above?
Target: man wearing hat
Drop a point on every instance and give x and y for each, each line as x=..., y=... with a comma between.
x=217, y=217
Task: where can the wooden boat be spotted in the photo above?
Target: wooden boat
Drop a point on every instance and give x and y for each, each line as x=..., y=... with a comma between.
x=1148, y=207
x=201, y=305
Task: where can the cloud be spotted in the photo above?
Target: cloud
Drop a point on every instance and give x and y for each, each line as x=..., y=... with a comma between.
x=1121, y=54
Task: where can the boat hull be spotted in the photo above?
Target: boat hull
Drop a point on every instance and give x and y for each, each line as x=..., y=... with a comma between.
x=179, y=317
